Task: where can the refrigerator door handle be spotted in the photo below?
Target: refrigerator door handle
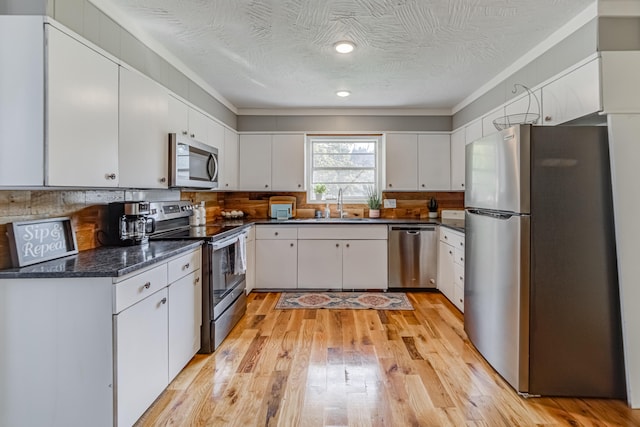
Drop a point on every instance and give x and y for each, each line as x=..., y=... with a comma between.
x=497, y=215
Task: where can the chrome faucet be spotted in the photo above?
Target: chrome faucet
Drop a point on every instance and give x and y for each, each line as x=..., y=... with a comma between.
x=340, y=205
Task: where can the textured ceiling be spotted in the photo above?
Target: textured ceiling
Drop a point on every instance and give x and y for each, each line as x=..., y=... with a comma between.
x=410, y=53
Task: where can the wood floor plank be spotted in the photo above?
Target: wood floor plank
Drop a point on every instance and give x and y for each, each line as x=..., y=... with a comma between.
x=369, y=368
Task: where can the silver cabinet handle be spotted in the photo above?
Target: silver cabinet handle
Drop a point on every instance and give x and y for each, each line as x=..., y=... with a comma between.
x=111, y=176
x=547, y=118
x=266, y=186
x=197, y=280
x=187, y=265
x=184, y=132
x=337, y=245
x=193, y=135
x=299, y=185
x=347, y=245
x=163, y=301
x=423, y=185
x=163, y=179
x=291, y=244
x=390, y=185
x=276, y=233
x=147, y=285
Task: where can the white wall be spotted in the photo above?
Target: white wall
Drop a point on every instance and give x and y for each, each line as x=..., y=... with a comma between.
x=624, y=143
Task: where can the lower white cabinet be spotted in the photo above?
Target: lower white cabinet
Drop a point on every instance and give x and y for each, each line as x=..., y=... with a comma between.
x=451, y=266
x=251, y=260
x=141, y=342
x=100, y=350
x=320, y=264
x=276, y=264
x=364, y=264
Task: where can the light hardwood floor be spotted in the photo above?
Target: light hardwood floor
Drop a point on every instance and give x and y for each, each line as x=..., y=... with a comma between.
x=359, y=368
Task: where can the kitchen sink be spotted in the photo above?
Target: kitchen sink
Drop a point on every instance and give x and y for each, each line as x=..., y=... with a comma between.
x=331, y=220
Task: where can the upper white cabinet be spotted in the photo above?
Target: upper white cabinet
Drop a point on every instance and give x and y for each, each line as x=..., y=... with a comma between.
x=187, y=121
x=417, y=162
x=81, y=114
x=21, y=101
x=287, y=162
x=487, y=121
x=401, y=161
x=271, y=162
x=255, y=162
x=457, y=159
x=573, y=95
x=434, y=160
x=228, y=179
x=473, y=131
x=215, y=135
x=143, y=141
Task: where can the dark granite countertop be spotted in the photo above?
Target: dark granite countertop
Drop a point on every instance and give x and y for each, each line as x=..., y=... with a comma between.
x=106, y=261
x=455, y=224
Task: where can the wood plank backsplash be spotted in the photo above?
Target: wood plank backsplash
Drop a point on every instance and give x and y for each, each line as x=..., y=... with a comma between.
x=87, y=208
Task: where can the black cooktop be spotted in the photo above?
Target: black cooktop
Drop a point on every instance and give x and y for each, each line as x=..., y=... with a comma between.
x=201, y=232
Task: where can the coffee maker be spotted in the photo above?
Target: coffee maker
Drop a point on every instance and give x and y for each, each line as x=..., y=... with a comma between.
x=129, y=223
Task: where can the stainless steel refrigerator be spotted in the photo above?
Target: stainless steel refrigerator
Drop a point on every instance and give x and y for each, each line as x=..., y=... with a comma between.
x=541, y=288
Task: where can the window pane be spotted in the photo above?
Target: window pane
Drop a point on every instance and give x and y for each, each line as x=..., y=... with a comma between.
x=344, y=176
x=344, y=147
x=344, y=160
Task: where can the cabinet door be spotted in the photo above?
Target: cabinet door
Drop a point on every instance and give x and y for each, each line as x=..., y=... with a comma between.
x=229, y=165
x=143, y=142
x=320, y=264
x=255, y=162
x=434, y=162
x=457, y=160
x=141, y=339
x=198, y=125
x=287, y=162
x=402, y=161
x=215, y=136
x=473, y=131
x=573, y=95
x=276, y=264
x=446, y=270
x=178, y=116
x=364, y=264
x=82, y=115
x=185, y=318
x=524, y=103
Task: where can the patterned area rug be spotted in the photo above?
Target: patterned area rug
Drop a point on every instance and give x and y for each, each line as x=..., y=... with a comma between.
x=345, y=300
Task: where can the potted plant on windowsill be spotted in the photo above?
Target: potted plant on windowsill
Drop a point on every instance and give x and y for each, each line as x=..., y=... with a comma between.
x=319, y=190
x=432, y=205
x=374, y=202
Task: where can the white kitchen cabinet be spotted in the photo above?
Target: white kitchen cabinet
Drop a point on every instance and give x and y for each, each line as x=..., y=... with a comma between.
x=473, y=131
x=487, y=121
x=185, y=120
x=458, y=159
x=185, y=319
x=22, y=101
x=143, y=140
x=401, y=156
x=81, y=114
x=364, y=264
x=251, y=260
x=524, y=103
x=287, y=162
x=434, y=160
x=451, y=266
x=255, y=162
x=141, y=343
x=107, y=341
x=228, y=179
x=215, y=135
x=573, y=95
x=320, y=264
x=272, y=162
x=342, y=257
x=276, y=264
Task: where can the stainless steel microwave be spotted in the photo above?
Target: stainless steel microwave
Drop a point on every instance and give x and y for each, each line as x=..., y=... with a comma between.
x=192, y=163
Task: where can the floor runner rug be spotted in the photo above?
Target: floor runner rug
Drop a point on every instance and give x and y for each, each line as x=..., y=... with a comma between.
x=345, y=300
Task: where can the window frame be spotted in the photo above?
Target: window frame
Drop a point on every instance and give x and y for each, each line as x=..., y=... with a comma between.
x=377, y=139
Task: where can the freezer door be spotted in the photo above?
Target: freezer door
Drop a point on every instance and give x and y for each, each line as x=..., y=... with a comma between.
x=496, y=292
x=498, y=171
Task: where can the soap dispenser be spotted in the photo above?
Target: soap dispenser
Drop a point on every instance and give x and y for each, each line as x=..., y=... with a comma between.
x=327, y=211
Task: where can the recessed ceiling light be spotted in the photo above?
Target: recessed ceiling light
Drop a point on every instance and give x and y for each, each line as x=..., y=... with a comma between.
x=343, y=93
x=344, y=47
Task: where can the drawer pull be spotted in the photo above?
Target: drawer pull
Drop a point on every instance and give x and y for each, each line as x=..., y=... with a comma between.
x=446, y=237
x=163, y=301
x=291, y=244
x=276, y=233
x=186, y=266
x=451, y=253
x=337, y=245
x=147, y=285
x=461, y=278
x=461, y=244
x=461, y=259
x=197, y=280
x=347, y=245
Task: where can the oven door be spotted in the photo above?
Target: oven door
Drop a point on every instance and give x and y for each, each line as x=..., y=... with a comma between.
x=225, y=277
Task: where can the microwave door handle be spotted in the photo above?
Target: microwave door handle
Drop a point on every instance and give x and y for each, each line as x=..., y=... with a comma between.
x=215, y=167
x=212, y=167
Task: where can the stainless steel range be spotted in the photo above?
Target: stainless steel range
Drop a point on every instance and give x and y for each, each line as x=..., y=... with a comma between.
x=223, y=266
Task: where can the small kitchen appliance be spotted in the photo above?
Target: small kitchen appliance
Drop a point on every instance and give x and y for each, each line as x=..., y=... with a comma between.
x=129, y=223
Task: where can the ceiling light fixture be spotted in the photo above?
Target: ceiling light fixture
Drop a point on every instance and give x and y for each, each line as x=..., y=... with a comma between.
x=344, y=47
x=343, y=93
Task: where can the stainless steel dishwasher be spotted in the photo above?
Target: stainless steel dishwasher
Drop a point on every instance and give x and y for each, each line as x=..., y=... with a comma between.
x=412, y=256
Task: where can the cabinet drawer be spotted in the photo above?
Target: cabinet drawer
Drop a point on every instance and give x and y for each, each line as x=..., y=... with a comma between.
x=453, y=238
x=132, y=290
x=459, y=256
x=276, y=233
x=184, y=265
x=458, y=277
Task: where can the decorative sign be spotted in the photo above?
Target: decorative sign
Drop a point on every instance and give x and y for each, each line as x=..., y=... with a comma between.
x=31, y=242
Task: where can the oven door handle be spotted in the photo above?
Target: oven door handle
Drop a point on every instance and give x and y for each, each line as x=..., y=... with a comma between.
x=227, y=242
